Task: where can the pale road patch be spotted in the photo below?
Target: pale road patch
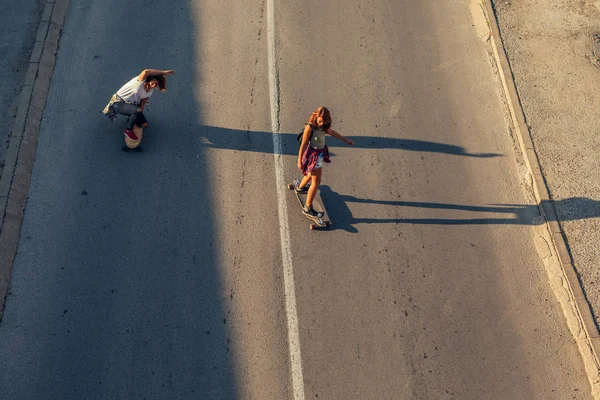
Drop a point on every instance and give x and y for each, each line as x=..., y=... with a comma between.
x=395, y=109
x=480, y=21
x=284, y=233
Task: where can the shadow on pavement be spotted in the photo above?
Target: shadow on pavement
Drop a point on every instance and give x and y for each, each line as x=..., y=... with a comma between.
x=116, y=291
x=222, y=138
x=513, y=214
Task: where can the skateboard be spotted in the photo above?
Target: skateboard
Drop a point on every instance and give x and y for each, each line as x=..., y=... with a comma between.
x=318, y=223
x=134, y=144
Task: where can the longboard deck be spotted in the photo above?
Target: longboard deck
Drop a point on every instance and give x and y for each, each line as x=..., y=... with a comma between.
x=322, y=222
x=139, y=132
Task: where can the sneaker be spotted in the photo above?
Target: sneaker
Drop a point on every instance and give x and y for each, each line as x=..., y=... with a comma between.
x=311, y=212
x=129, y=133
x=301, y=190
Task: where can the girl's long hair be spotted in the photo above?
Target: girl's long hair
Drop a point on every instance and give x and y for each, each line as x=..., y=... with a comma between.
x=322, y=112
x=162, y=81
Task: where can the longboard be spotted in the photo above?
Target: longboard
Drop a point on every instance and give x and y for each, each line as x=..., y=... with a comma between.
x=318, y=223
x=133, y=144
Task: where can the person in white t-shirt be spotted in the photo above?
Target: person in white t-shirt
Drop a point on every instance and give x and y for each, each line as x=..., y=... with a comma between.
x=131, y=99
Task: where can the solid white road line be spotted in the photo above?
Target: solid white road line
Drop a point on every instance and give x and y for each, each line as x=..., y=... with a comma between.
x=286, y=251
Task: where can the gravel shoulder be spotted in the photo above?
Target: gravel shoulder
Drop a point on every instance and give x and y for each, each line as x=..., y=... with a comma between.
x=551, y=49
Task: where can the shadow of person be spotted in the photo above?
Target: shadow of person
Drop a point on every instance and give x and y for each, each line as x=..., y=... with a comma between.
x=513, y=214
x=260, y=141
x=339, y=213
x=370, y=142
x=576, y=208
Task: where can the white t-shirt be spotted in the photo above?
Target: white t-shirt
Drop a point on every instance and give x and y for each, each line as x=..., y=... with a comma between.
x=134, y=91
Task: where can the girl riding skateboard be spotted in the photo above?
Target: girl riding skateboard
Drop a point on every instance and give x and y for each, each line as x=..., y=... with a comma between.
x=313, y=153
x=131, y=99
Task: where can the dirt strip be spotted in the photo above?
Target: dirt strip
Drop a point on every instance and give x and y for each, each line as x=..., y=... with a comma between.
x=14, y=182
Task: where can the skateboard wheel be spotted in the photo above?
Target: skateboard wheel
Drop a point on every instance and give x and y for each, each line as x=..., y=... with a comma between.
x=290, y=186
x=313, y=227
x=328, y=224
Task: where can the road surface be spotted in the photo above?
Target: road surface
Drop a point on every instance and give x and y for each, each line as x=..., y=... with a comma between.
x=167, y=273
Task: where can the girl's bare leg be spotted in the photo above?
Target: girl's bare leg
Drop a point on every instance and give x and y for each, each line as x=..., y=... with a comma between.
x=316, y=181
x=305, y=180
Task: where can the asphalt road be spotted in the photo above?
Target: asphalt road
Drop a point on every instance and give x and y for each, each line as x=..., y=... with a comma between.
x=160, y=274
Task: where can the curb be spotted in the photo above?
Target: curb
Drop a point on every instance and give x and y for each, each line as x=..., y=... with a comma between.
x=16, y=175
x=545, y=205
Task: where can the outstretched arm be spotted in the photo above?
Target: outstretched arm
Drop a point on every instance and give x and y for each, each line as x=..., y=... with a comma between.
x=340, y=137
x=144, y=74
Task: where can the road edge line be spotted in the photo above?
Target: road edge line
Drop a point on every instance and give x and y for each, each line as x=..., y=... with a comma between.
x=20, y=155
x=284, y=232
x=591, y=348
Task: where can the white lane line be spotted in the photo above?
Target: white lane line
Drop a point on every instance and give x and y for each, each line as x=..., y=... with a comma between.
x=284, y=233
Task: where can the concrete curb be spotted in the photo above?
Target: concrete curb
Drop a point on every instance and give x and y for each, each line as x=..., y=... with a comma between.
x=14, y=182
x=546, y=207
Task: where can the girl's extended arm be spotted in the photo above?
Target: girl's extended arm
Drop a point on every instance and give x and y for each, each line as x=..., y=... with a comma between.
x=144, y=74
x=340, y=137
